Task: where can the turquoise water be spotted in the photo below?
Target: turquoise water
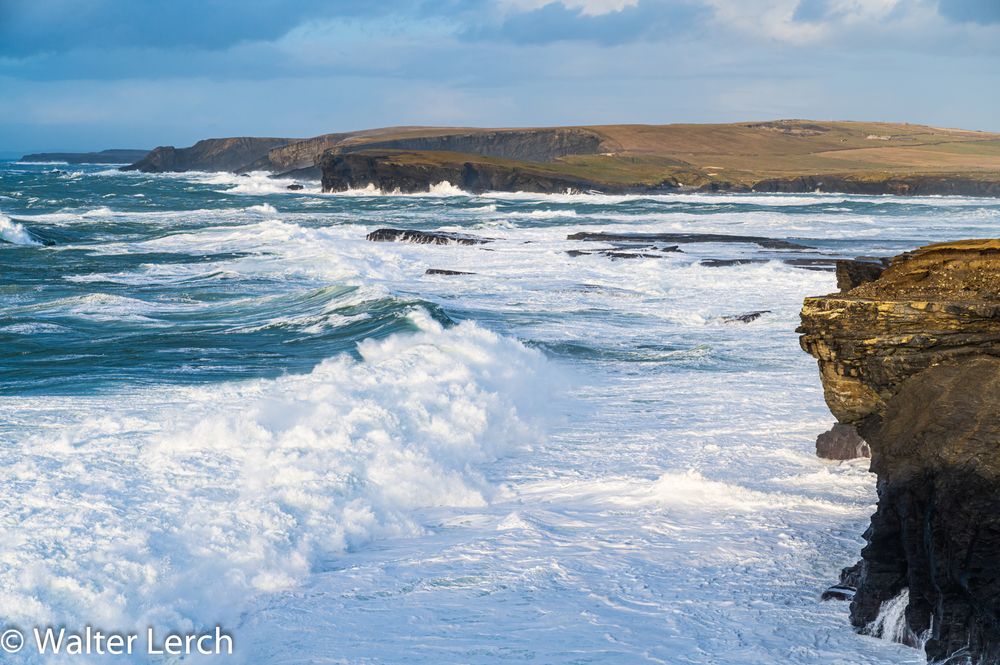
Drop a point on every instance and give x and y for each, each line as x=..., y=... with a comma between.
x=219, y=403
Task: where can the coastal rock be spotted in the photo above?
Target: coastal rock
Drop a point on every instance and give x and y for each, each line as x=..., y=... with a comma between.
x=446, y=272
x=746, y=318
x=527, y=145
x=853, y=273
x=841, y=442
x=424, y=237
x=641, y=253
x=208, y=155
x=912, y=359
x=901, y=185
x=767, y=243
x=412, y=172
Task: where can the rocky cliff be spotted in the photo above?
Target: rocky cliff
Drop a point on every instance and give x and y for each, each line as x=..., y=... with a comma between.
x=405, y=171
x=230, y=154
x=912, y=359
x=955, y=184
x=527, y=145
x=302, y=157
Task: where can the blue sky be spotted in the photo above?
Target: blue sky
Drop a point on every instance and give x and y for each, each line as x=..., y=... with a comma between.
x=90, y=74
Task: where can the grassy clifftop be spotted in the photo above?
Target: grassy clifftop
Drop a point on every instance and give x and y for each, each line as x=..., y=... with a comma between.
x=780, y=155
x=784, y=155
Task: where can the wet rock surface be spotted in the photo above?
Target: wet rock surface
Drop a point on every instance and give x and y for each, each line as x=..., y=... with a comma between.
x=746, y=318
x=677, y=238
x=841, y=442
x=912, y=360
x=851, y=274
x=638, y=252
x=424, y=237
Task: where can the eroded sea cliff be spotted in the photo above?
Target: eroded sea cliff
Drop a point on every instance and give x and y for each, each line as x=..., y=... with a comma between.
x=912, y=359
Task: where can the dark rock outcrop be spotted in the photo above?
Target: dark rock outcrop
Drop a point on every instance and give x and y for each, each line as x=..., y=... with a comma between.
x=231, y=154
x=446, y=272
x=841, y=442
x=413, y=172
x=767, y=243
x=749, y=317
x=424, y=237
x=912, y=359
x=526, y=145
x=853, y=273
x=114, y=156
x=903, y=185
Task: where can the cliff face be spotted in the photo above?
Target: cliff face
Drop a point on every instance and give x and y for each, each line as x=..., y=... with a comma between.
x=528, y=145
x=417, y=172
x=913, y=360
x=302, y=157
x=903, y=185
x=296, y=155
x=208, y=155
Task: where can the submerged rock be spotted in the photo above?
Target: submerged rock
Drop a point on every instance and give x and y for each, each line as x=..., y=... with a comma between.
x=618, y=254
x=746, y=318
x=443, y=271
x=838, y=592
x=295, y=187
x=841, y=442
x=912, y=360
x=424, y=237
x=767, y=243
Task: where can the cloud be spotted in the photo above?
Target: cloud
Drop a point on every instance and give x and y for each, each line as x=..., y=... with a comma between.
x=37, y=26
x=101, y=73
x=608, y=22
x=971, y=11
x=584, y=7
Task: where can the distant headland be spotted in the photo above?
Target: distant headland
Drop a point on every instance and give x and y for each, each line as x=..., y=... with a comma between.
x=114, y=156
x=772, y=156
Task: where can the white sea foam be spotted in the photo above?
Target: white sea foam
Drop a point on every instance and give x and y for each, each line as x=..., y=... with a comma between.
x=674, y=511
x=255, y=183
x=265, y=208
x=103, y=211
x=222, y=494
x=14, y=233
x=890, y=624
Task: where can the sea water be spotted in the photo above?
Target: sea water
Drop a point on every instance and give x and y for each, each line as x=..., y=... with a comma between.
x=220, y=405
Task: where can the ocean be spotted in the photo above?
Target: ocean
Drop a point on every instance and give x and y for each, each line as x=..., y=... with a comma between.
x=220, y=405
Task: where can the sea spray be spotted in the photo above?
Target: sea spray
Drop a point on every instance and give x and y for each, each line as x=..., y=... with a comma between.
x=14, y=233
x=226, y=493
x=890, y=624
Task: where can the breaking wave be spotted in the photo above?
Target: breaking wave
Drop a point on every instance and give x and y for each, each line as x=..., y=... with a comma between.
x=236, y=490
x=14, y=233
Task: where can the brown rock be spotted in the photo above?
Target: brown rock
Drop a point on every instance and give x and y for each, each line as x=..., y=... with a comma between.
x=841, y=442
x=912, y=359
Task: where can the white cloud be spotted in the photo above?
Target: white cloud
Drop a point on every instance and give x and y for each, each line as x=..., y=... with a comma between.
x=586, y=7
x=774, y=19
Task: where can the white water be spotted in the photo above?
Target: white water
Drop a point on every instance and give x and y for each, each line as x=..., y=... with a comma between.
x=14, y=233
x=454, y=496
x=177, y=508
x=890, y=624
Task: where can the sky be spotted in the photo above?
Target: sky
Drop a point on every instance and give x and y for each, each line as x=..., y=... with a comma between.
x=94, y=74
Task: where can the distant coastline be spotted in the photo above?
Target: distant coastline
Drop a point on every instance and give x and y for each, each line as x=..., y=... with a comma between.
x=113, y=156
x=793, y=156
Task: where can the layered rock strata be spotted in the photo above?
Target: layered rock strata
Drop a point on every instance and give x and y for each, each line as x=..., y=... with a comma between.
x=912, y=360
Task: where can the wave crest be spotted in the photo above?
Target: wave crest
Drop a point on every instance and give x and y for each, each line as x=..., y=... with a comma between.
x=14, y=233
